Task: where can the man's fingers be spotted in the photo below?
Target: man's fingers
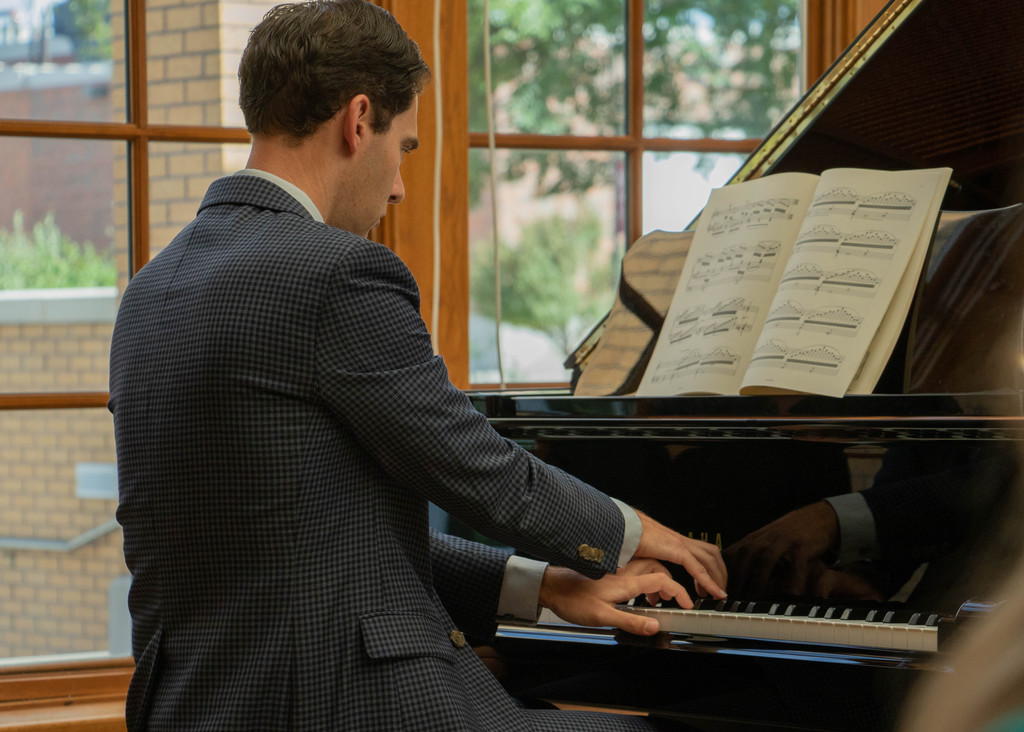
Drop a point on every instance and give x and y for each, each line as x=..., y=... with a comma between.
x=633, y=623
x=701, y=576
x=659, y=585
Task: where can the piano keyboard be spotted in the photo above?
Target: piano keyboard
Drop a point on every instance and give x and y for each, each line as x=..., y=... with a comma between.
x=886, y=628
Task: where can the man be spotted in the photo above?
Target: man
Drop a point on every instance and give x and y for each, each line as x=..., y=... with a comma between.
x=282, y=422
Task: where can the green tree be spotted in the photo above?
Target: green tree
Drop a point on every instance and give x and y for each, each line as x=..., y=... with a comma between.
x=554, y=64
x=43, y=257
x=87, y=24
x=555, y=280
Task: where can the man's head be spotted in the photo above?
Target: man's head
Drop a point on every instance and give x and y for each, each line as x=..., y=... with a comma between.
x=305, y=61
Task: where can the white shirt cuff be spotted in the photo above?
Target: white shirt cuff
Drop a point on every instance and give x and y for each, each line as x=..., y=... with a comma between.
x=520, y=588
x=631, y=533
x=858, y=539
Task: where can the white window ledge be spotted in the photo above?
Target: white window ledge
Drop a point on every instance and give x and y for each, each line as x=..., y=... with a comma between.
x=65, y=305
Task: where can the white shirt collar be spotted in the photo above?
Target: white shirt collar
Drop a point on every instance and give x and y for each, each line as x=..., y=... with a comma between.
x=293, y=190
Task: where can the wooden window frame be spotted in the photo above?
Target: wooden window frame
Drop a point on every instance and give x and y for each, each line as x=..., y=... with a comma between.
x=80, y=696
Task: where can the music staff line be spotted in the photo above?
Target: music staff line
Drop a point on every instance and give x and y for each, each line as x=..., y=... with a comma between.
x=830, y=240
x=735, y=263
x=847, y=280
x=736, y=315
x=774, y=354
x=844, y=201
x=751, y=214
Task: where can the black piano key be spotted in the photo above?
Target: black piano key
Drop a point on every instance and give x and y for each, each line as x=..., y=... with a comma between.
x=854, y=613
x=899, y=617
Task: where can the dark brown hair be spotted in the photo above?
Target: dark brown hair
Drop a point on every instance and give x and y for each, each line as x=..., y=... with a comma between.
x=304, y=61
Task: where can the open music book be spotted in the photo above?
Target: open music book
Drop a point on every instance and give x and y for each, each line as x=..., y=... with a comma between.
x=797, y=283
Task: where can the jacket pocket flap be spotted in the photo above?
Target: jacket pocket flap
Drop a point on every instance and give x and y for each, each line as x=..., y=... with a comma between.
x=405, y=635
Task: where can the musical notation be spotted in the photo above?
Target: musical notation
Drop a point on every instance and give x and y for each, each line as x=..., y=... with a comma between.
x=736, y=315
x=718, y=360
x=844, y=201
x=826, y=283
x=734, y=264
x=751, y=214
x=830, y=240
x=832, y=320
x=777, y=354
x=850, y=280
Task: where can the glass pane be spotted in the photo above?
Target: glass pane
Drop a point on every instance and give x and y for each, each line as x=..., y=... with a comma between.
x=179, y=174
x=63, y=244
x=561, y=229
x=63, y=579
x=677, y=185
x=61, y=60
x=557, y=68
x=192, y=60
x=718, y=68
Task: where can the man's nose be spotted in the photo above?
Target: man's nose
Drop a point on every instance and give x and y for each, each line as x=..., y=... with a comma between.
x=397, y=190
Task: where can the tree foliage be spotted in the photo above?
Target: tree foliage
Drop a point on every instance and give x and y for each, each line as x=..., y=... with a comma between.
x=87, y=24
x=43, y=257
x=554, y=280
x=713, y=68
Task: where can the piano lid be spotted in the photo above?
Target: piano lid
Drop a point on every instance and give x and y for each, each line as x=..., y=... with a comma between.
x=921, y=87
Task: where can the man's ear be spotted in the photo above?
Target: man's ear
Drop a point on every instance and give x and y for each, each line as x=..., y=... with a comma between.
x=355, y=118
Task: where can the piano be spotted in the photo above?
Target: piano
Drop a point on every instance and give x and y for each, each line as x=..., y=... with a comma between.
x=929, y=83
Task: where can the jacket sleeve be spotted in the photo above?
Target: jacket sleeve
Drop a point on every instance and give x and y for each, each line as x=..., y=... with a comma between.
x=379, y=375
x=468, y=578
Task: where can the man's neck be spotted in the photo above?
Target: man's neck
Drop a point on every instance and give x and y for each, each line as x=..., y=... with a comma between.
x=304, y=165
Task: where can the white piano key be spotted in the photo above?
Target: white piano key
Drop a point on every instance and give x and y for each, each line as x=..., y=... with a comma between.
x=764, y=626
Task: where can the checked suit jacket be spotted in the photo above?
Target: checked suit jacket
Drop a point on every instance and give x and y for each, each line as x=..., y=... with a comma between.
x=281, y=422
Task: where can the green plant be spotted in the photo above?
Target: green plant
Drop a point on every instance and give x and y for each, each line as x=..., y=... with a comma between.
x=43, y=257
x=556, y=279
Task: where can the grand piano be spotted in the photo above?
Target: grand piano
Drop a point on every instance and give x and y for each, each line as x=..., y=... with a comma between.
x=929, y=83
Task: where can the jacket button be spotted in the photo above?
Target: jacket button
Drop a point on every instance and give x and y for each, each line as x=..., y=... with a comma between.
x=589, y=553
x=457, y=638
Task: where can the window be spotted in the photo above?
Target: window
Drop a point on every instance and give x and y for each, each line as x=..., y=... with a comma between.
x=96, y=167
x=610, y=120
x=113, y=119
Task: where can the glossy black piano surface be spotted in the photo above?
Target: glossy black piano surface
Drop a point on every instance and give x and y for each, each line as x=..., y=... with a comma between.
x=929, y=83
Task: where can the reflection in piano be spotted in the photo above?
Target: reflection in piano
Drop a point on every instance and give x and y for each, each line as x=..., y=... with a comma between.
x=931, y=83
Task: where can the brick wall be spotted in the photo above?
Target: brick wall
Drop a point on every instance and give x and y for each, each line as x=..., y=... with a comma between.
x=54, y=599
x=71, y=178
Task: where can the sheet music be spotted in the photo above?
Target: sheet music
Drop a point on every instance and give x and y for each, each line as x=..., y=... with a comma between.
x=742, y=240
x=794, y=281
x=847, y=287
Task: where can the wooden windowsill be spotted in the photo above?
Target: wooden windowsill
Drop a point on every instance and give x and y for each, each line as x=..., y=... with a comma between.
x=81, y=697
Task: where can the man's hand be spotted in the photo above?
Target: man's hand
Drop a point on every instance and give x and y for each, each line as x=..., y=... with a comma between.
x=785, y=554
x=578, y=599
x=702, y=560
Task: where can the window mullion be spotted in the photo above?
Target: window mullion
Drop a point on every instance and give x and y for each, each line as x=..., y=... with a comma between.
x=634, y=119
